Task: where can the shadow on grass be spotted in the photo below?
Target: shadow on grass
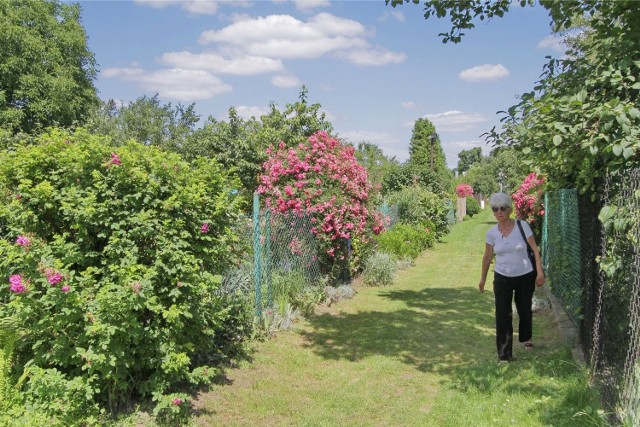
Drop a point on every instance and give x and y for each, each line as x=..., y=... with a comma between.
x=449, y=332
x=440, y=329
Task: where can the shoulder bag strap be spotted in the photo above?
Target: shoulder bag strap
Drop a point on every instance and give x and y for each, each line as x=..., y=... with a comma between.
x=522, y=234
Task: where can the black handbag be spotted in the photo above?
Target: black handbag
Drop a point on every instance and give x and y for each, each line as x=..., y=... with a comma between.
x=532, y=257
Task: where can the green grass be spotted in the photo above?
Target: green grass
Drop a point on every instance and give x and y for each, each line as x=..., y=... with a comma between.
x=419, y=352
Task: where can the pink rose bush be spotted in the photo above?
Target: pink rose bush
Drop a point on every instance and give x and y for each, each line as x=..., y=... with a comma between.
x=92, y=246
x=464, y=190
x=527, y=199
x=322, y=178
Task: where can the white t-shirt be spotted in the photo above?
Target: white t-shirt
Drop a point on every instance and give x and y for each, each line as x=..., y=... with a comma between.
x=511, y=250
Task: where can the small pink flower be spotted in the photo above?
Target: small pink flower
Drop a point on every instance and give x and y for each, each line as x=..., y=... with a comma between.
x=115, y=159
x=65, y=288
x=204, y=228
x=17, y=286
x=53, y=277
x=136, y=287
x=176, y=402
x=23, y=241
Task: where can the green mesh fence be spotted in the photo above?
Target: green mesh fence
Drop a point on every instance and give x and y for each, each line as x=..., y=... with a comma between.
x=280, y=262
x=562, y=255
x=594, y=270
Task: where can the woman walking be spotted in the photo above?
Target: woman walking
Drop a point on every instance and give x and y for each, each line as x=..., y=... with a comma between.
x=514, y=275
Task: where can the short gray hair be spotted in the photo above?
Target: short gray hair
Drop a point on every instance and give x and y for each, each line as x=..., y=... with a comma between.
x=500, y=199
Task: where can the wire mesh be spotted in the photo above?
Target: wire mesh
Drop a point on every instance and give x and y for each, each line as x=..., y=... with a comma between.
x=594, y=269
x=563, y=237
x=279, y=254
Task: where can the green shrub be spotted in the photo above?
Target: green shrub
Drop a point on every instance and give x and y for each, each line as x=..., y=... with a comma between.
x=406, y=241
x=114, y=256
x=473, y=207
x=379, y=270
x=422, y=208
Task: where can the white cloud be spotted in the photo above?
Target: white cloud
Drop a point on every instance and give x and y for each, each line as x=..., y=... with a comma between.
x=409, y=105
x=247, y=112
x=176, y=83
x=308, y=5
x=389, y=145
x=397, y=15
x=373, y=57
x=455, y=121
x=283, y=36
x=552, y=42
x=198, y=7
x=286, y=81
x=245, y=65
x=484, y=72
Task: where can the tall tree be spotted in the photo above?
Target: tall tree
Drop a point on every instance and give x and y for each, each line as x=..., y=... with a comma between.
x=46, y=68
x=467, y=158
x=298, y=121
x=374, y=160
x=425, y=149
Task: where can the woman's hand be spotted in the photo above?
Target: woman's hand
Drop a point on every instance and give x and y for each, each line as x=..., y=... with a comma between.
x=481, y=286
x=540, y=279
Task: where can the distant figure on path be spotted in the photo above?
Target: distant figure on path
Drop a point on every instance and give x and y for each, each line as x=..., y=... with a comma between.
x=513, y=274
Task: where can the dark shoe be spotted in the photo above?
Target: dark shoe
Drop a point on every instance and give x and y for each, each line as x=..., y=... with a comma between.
x=528, y=346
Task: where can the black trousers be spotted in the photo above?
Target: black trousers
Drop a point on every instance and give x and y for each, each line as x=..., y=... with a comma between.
x=504, y=289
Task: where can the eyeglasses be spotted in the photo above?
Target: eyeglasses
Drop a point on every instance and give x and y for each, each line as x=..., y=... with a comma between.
x=501, y=208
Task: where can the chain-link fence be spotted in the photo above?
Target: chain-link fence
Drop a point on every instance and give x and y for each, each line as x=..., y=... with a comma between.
x=280, y=259
x=594, y=270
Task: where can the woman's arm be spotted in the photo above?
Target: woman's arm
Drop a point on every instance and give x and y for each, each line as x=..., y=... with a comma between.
x=486, y=262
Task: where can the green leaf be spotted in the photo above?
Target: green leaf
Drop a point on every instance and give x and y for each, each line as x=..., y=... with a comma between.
x=606, y=213
x=557, y=140
x=617, y=149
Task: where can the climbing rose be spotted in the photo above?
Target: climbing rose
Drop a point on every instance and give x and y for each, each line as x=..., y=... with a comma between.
x=23, y=241
x=115, y=159
x=205, y=228
x=464, y=190
x=17, y=287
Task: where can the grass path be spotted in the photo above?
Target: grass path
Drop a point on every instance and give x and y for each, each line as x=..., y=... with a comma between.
x=418, y=353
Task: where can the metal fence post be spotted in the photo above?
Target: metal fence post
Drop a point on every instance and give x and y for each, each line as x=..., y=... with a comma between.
x=257, y=254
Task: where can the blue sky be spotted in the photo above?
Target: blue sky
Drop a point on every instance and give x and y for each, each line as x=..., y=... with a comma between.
x=374, y=69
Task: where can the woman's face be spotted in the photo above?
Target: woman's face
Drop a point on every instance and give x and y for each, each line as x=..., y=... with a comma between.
x=501, y=212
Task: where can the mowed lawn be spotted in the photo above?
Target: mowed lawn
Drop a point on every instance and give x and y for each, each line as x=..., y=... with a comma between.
x=420, y=352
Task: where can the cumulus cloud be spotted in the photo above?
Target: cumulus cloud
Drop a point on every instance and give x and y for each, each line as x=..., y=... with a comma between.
x=396, y=14
x=175, y=83
x=455, y=121
x=373, y=57
x=552, y=42
x=197, y=7
x=214, y=62
x=286, y=81
x=409, y=105
x=484, y=72
x=390, y=146
x=283, y=36
x=308, y=5
x=246, y=112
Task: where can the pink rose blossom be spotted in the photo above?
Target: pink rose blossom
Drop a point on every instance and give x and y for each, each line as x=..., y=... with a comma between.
x=204, y=228
x=17, y=286
x=65, y=288
x=23, y=241
x=115, y=159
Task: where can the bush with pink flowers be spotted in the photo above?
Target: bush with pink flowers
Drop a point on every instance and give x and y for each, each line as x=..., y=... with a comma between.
x=527, y=199
x=464, y=190
x=322, y=178
x=110, y=260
